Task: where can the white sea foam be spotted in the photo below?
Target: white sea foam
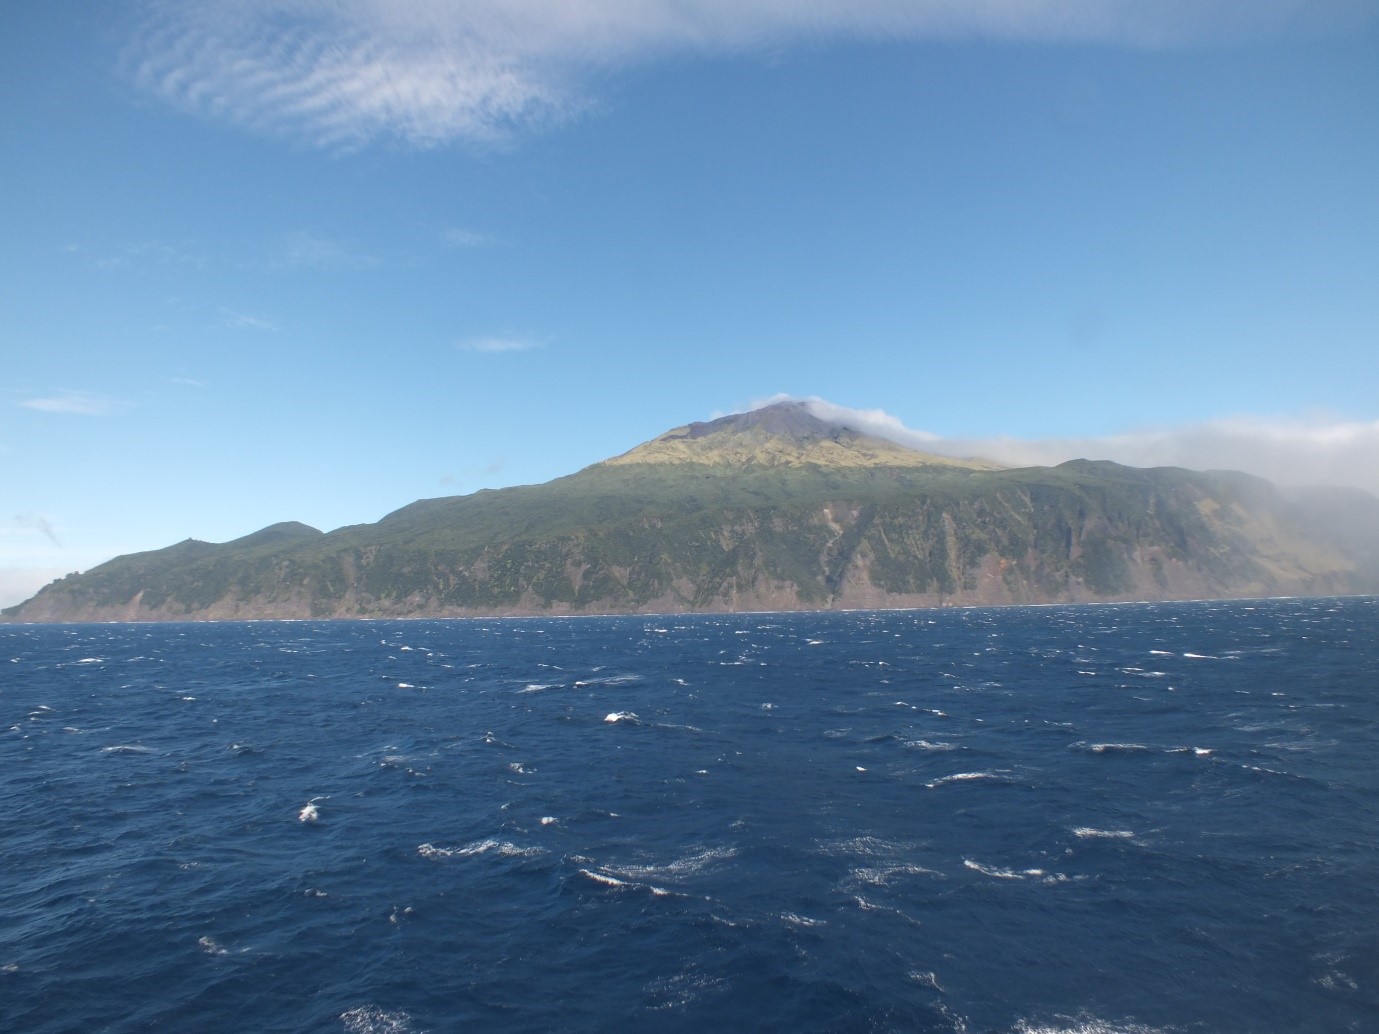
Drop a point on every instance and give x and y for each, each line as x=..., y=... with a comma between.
x=611, y=680
x=210, y=947
x=938, y=745
x=538, y=687
x=678, y=991
x=926, y=979
x=1201, y=657
x=604, y=878
x=1088, y=833
x=405, y=685
x=501, y=848
x=621, y=716
x=679, y=868
x=370, y=1019
x=549, y=820
x=309, y=812
x=799, y=920
x=866, y=846
x=996, y=872
x=127, y=748
x=1084, y=1024
x=883, y=875
x=1200, y=752
x=519, y=768
x=1111, y=748
x=962, y=777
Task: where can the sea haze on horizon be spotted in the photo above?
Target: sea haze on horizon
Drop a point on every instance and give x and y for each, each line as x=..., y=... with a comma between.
x=1120, y=818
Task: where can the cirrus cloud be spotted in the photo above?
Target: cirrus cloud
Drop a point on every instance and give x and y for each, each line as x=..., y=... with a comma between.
x=341, y=74
x=79, y=403
x=498, y=344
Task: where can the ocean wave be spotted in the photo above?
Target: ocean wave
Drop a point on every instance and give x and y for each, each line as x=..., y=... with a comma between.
x=884, y=875
x=501, y=848
x=615, y=717
x=612, y=881
x=370, y=1019
x=1084, y=1024
x=1110, y=748
x=1088, y=833
x=933, y=745
x=677, y=869
x=998, y=873
x=966, y=777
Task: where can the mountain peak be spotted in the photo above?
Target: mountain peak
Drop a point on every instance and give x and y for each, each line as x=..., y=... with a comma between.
x=783, y=434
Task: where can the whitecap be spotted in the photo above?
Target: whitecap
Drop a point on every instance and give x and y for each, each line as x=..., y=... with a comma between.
x=882, y=875
x=210, y=947
x=799, y=920
x=930, y=745
x=621, y=716
x=998, y=873
x=1111, y=748
x=127, y=748
x=962, y=777
x=686, y=865
x=501, y=848
x=926, y=979
x=549, y=820
x=1088, y=833
x=1201, y=657
x=309, y=812
x=369, y=1019
x=1084, y=1024
x=604, y=878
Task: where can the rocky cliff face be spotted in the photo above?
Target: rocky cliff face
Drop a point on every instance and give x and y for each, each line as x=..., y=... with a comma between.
x=774, y=510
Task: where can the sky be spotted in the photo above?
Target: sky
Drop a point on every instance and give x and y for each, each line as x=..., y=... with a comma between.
x=314, y=259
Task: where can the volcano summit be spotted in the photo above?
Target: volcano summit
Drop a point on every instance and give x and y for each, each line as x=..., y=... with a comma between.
x=774, y=509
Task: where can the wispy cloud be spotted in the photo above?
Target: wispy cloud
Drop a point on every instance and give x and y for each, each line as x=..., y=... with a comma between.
x=303, y=250
x=345, y=73
x=147, y=253
x=1288, y=450
x=499, y=344
x=245, y=321
x=79, y=403
x=462, y=237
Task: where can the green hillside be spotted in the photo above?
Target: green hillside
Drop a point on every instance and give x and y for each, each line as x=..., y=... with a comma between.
x=770, y=510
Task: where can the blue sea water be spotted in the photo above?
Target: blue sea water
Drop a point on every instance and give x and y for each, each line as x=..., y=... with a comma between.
x=1127, y=818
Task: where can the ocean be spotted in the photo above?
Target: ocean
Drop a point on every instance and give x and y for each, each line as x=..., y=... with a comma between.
x=1096, y=819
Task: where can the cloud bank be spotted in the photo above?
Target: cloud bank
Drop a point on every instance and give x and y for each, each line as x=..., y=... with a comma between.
x=345, y=73
x=1287, y=451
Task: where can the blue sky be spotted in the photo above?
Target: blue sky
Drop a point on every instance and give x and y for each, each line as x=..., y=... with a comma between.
x=313, y=260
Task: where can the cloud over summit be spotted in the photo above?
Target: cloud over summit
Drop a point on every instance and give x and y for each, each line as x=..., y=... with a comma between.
x=1288, y=451
x=346, y=73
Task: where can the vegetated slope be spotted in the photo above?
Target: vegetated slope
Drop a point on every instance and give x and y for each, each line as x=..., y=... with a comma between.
x=769, y=510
